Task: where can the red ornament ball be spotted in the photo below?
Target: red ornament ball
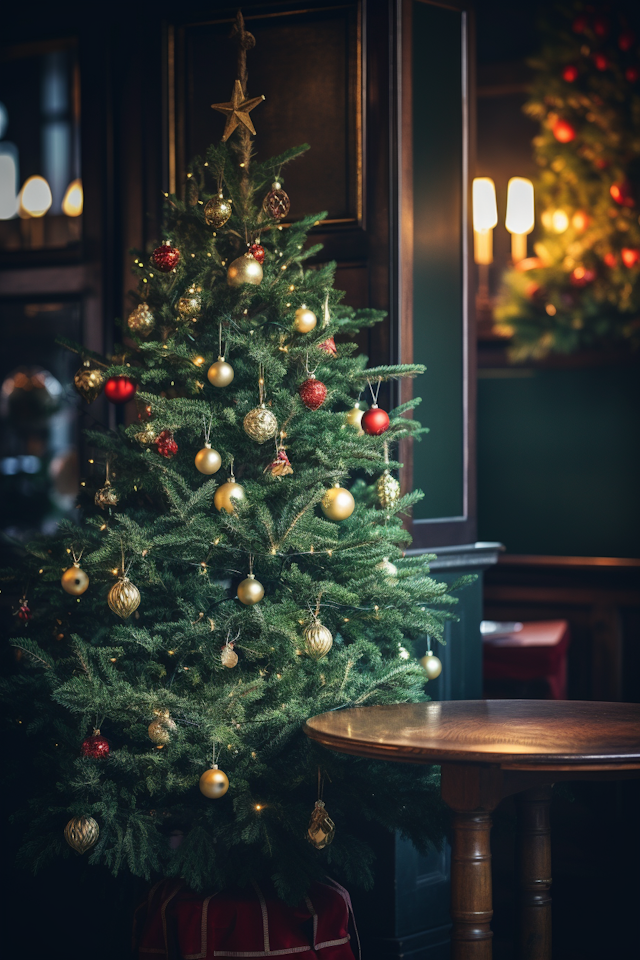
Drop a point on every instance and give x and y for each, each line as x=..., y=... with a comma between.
x=329, y=346
x=166, y=257
x=630, y=256
x=375, y=421
x=313, y=393
x=610, y=259
x=626, y=40
x=120, y=389
x=582, y=276
x=600, y=61
x=166, y=445
x=621, y=193
x=563, y=131
x=24, y=613
x=96, y=747
x=257, y=252
x=632, y=74
x=570, y=73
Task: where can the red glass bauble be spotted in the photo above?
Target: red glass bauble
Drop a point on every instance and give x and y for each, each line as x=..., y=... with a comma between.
x=375, y=421
x=600, y=26
x=257, y=252
x=621, y=193
x=570, y=73
x=600, y=61
x=610, y=259
x=166, y=445
x=24, y=613
x=166, y=257
x=582, y=276
x=579, y=25
x=626, y=40
x=120, y=389
x=630, y=256
x=563, y=131
x=632, y=74
x=329, y=346
x=96, y=747
x=313, y=393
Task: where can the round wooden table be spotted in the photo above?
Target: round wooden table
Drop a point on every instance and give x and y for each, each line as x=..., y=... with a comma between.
x=490, y=749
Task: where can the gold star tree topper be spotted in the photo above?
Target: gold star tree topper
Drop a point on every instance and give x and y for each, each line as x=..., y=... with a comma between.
x=237, y=110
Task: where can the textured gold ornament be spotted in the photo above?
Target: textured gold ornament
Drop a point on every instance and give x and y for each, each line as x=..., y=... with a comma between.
x=141, y=320
x=260, y=424
x=147, y=435
x=322, y=829
x=220, y=373
x=245, y=269
x=387, y=490
x=354, y=417
x=237, y=110
x=214, y=783
x=89, y=381
x=228, y=495
x=305, y=320
x=217, y=211
x=161, y=728
x=124, y=598
x=81, y=833
x=228, y=656
x=207, y=460
x=337, y=503
x=389, y=570
x=74, y=580
x=431, y=665
x=250, y=591
x=106, y=496
x=317, y=640
x=189, y=306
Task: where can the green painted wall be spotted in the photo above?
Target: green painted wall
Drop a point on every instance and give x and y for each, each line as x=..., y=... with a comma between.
x=559, y=460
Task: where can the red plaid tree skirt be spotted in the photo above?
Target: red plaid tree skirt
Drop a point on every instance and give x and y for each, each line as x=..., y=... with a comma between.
x=176, y=924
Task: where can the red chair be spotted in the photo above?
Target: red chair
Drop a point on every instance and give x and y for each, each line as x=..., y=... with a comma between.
x=537, y=652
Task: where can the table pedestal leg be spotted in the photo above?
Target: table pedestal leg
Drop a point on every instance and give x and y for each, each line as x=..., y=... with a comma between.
x=533, y=865
x=471, y=910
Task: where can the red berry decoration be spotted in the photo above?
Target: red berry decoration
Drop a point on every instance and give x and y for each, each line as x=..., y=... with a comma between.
x=166, y=445
x=329, y=346
x=632, y=74
x=600, y=61
x=95, y=746
x=120, y=389
x=313, y=393
x=626, y=40
x=621, y=193
x=563, y=131
x=375, y=421
x=257, y=252
x=610, y=259
x=582, y=276
x=630, y=256
x=166, y=257
x=570, y=73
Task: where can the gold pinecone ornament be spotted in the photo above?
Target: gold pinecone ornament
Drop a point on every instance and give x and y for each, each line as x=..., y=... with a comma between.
x=106, y=496
x=318, y=640
x=190, y=305
x=124, y=598
x=81, y=833
x=141, y=320
x=387, y=490
x=161, y=728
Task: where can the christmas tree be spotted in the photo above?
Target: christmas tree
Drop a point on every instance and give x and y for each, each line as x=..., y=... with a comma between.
x=581, y=288
x=224, y=583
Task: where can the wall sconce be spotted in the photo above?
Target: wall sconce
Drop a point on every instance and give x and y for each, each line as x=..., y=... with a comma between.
x=485, y=218
x=520, y=219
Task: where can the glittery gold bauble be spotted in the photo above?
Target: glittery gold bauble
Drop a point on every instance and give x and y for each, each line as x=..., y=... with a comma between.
x=388, y=490
x=389, y=570
x=141, y=320
x=354, y=417
x=220, y=373
x=81, y=833
x=74, y=580
x=124, y=598
x=245, y=269
x=189, y=306
x=106, y=496
x=217, y=211
x=321, y=829
x=160, y=729
x=337, y=503
x=214, y=783
x=260, y=424
x=147, y=435
x=431, y=666
x=317, y=640
x=250, y=591
x=228, y=656
x=228, y=495
x=207, y=460
x=89, y=381
x=305, y=320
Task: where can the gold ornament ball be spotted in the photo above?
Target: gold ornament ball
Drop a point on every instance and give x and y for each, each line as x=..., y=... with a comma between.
x=387, y=490
x=141, y=320
x=81, y=833
x=337, y=503
x=305, y=320
x=220, y=373
x=189, y=306
x=318, y=640
x=229, y=657
x=89, y=381
x=217, y=211
x=389, y=569
x=160, y=730
x=260, y=424
x=74, y=580
x=146, y=436
x=245, y=269
x=207, y=460
x=124, y=598
x=250, y=591
x=106, y=497
x=354, y=417
x=214, y=783
x=228, y=495
x=431, y=666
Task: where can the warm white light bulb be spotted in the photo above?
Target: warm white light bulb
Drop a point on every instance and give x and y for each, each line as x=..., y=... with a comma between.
x=520, y=211
x=559, y=221
x=35, y=197
x=485, y=210
x=73, y=199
